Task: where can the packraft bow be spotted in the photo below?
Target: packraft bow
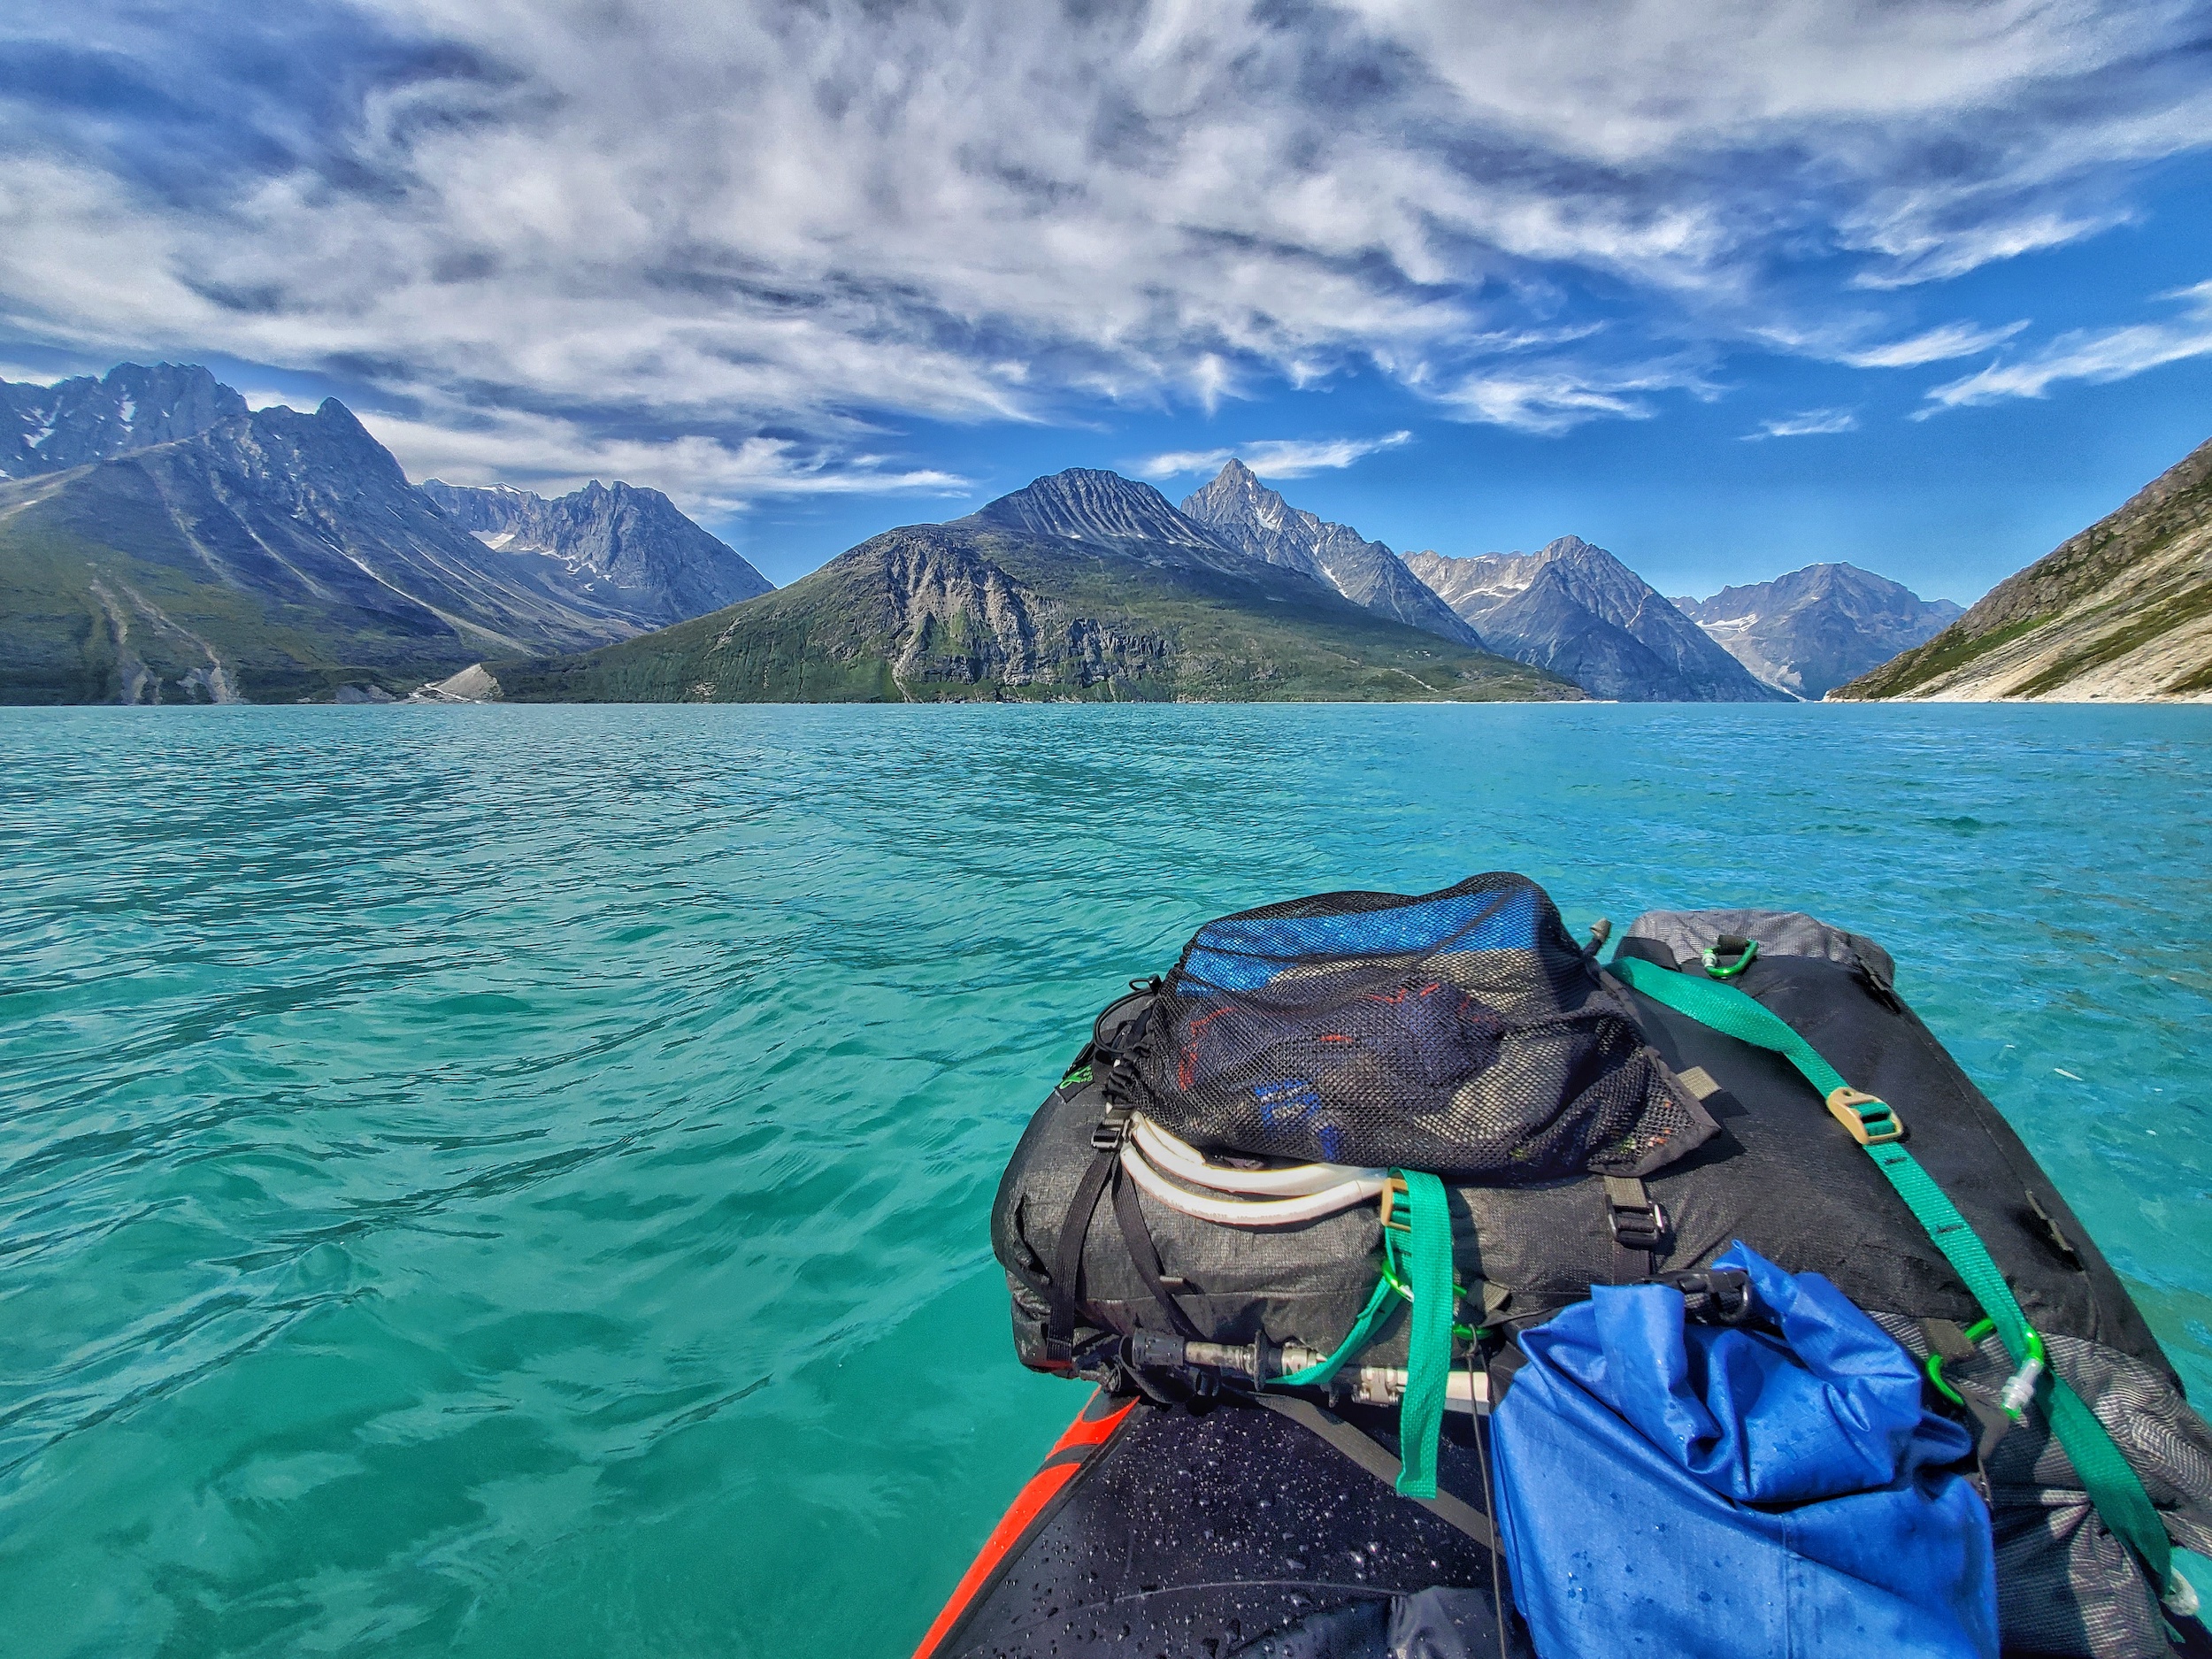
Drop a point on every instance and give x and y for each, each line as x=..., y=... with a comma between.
x=1308, y=1195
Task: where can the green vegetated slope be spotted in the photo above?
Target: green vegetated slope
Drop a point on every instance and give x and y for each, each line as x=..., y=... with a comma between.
x=968, y=611
x=105, y=597
x=2122, y=612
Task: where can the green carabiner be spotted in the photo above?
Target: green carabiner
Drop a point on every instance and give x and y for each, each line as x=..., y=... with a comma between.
x=1712, y=960
x=1975, y=1333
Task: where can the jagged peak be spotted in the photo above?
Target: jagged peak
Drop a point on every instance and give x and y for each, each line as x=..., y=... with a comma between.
x=1572, y=547
x=1235, y=497
x=332, y=431
x=1235, y=480
x=1086, y=504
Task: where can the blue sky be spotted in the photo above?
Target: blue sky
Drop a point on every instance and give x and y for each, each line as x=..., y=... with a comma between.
x=1726, y=287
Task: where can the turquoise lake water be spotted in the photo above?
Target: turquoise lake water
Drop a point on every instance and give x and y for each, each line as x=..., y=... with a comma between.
x=513, y=1181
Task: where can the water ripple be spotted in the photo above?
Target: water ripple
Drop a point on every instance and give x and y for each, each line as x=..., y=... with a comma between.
x=513, y=1181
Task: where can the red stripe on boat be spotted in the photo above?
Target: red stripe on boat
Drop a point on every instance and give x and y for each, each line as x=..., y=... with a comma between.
x=1088, y=1431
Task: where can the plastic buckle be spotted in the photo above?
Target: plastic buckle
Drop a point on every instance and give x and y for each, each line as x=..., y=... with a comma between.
x=1637, y=1226
x=1393, y=1188
x=1111, y=1130
x=1722, y=1295
x=1875, y=1128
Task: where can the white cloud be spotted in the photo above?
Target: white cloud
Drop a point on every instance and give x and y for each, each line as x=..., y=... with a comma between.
x=1624, y=81
x=1274, y=458
x=699, y=474
x=1808, y=423
x=795, y=219
x=2094, y=354
x=1920, y=247
x=1937, y=345
x=1549, y=398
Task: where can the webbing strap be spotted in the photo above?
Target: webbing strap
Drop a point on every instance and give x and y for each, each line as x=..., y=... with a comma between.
x=1144, y=1255
x=1067, y=1257
x=2112, y=1485
x=1429, y=1338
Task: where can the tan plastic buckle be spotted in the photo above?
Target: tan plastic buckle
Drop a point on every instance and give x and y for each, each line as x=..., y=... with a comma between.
x=1392, y=1189
x=1869, y=1129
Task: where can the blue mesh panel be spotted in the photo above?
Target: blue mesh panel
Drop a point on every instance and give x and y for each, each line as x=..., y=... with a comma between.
x=1241, y=953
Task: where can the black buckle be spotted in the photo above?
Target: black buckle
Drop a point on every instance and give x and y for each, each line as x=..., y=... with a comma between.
x=1637, y=1226
x=1722, y=1295
x=1111, y=1130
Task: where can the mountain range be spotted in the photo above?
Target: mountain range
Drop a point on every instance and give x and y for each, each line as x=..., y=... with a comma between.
x=1245, y=514
x=1085, y=585
x=1580, y=613
x=1576, y=609
x=1808, y=631
x=2120, y=613
x=160, y=541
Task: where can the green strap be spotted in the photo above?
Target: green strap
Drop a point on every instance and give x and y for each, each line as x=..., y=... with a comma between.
x=2112, y=1485
x=1429, y=1341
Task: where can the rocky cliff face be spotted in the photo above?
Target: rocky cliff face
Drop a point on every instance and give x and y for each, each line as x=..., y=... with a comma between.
x=1808, y=631
x=1247, y=516
x=2121, y=612
x=1085, y=585
x=50, y=428
x=1576, y=609
x=632, y=547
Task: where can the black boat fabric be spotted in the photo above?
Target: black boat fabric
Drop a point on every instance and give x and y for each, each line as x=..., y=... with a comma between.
x=1222, y=1529
x=1462, y=1032
x=1782, y=1176
x=1226, y=1532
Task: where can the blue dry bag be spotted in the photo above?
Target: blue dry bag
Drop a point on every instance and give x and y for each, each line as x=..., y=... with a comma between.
x=1772, y=1489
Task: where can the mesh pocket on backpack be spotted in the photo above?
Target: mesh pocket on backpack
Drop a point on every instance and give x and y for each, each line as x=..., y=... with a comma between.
x=1461, y=1032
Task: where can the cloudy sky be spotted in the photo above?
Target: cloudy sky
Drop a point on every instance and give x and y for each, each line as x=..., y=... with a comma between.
x=1726, y=287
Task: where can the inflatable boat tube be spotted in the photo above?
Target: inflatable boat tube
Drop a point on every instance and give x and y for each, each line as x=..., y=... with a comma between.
x=1220, y=1528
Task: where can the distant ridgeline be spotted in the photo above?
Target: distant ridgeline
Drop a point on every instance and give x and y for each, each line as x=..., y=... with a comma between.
x=161, y=543
x=1809, y=631
x=1085, y=585
x=1089, y=585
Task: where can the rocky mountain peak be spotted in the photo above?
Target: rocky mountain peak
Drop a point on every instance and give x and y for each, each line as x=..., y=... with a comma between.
x=487, y=511
x=632, y=541
x=133, y=406
x=1243, y=513
x=1088, y=503
x=1573, y=608
x=331, y=445
x=1811, y=630
x=1236, y=498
